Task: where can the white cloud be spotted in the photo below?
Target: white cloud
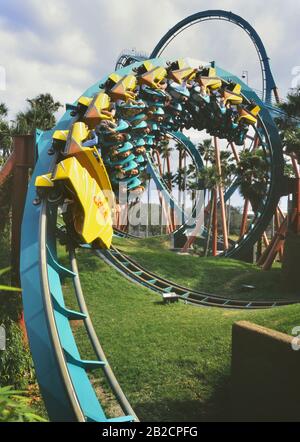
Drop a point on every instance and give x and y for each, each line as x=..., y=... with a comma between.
x=64, y=46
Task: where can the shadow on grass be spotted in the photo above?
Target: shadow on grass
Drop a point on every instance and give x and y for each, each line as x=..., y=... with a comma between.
x=220, y=276
x=86, y=260
x=216, y=408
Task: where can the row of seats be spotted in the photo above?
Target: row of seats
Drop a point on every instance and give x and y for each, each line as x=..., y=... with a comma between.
x=131, y=115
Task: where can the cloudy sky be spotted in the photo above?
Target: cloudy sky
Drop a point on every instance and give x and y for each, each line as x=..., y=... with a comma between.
x=64, y=46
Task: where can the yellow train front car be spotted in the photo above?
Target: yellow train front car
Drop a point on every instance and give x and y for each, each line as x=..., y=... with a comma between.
x=83, y=182
x=91, y=212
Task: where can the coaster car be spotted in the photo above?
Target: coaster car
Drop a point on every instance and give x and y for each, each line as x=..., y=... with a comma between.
x=140, y=126
x=130, y=108
x=97, y=109
x=74, y=145
x=121, y=88
x=159, y=112
x=121, y=126
x=130, y=166
x=140, y=142
x=231, y=94
x=73, y=138
x=88, y=204
x=208, y=79
x=175, y=107
x=140, y=159
x=245, y=118
x=133, y=183
x=154, y=97
x=178, y=92
x=152, y=76
x=200, y=93
x=121, y=162
x=179, y=71
x=149, y=140
x=248, y=117
x=91, y=212
x=127, y=147
x=136, y=119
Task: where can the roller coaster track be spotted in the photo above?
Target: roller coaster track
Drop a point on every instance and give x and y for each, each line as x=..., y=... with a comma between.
x=68, y=391
x=135, y=272
x=268, y=81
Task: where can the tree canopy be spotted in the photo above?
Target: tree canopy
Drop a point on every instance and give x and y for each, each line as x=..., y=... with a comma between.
x=39, y=114
x=289, y=124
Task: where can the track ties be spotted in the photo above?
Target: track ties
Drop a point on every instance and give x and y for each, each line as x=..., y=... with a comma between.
x=146, y=278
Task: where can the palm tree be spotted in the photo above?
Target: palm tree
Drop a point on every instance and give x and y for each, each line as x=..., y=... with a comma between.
x=180, y=179
x=5, y=134
x=206, y=149
x=252, y=172
x=290, y=132
x=3, y=110
x=166, y=151
x=148, y=203
x=211, y=179
x=168, y=176
x=179, y=175
x=40, y=114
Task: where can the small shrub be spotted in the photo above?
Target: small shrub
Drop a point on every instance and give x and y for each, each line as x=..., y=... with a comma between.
x=16, y=367
x=14, y=407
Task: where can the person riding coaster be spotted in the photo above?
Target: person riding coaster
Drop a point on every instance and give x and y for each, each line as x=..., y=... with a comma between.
x=121, y=88
x=180, y=72
x=137, y=119
x=156, y=118
x=130, y=108
x=96, y=109
x=140, y=129
x=130, y=168
x=120, y=126
x=205, y=83
x=207, y=77
x=152, y=76
x=247, y=116
x=122, y=174
x=153, y=97
x=115, y=159
x=222, y=102
x=231, y=94
x=178, y=92
x=140, y=146
x=133, y=185
x=113, y=134
x=79, y=161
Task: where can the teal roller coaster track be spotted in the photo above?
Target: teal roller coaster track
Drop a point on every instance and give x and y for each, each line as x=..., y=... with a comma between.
x=62, y=375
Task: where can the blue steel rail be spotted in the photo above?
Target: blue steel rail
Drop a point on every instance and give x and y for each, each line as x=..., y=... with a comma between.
x=62, y=374
x=218, y=14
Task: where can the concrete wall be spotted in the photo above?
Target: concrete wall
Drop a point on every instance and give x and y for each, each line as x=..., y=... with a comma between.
x=265, y=374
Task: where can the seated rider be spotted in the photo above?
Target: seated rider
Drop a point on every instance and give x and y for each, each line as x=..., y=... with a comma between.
x=121, y=174
x=107, y=125
x=92, y=141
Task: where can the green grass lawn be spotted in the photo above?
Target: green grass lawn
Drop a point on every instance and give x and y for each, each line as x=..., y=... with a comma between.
x=173, y=361
x=221, y=276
